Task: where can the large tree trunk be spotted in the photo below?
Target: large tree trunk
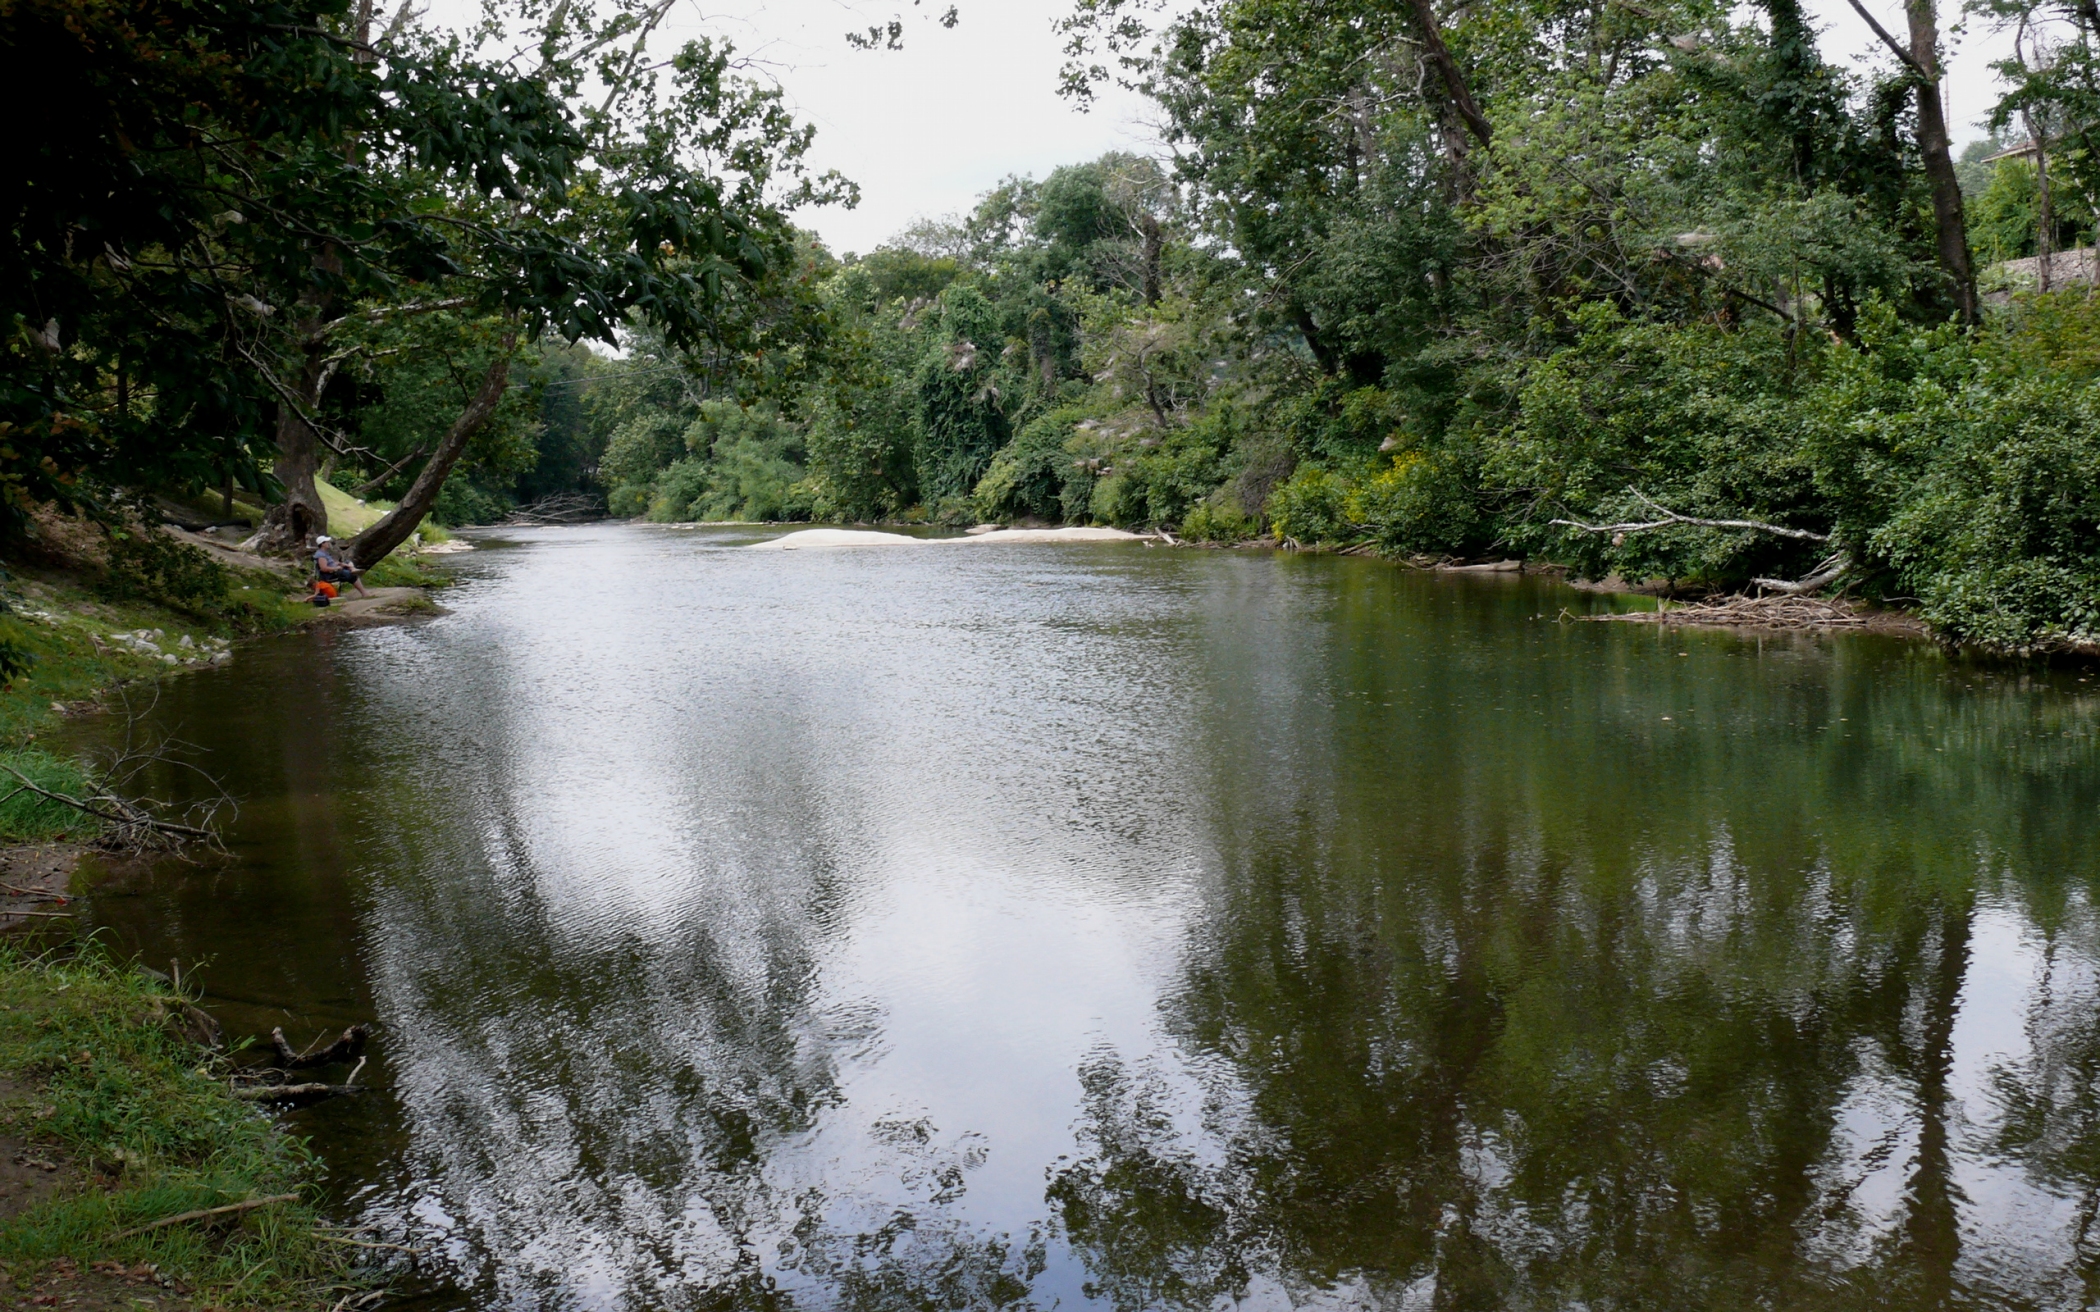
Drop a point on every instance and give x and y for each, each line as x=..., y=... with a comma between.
x=288, y=525
x=1935, y=148
x=1453, y=78
x=371, y=546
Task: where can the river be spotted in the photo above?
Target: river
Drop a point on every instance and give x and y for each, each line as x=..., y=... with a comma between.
x=1107, y=926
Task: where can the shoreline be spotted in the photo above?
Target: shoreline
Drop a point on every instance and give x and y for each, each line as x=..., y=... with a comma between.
x=1734, y=611
x=72, y=1201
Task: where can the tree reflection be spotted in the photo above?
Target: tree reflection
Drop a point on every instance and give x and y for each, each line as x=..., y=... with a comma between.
x=1546, y=1009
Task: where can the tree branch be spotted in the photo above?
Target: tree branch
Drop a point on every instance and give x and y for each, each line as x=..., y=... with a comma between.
x=1454, y=79
x=1904, y=55
x=369, y=488
x=1837, y=563
x=203, y=1212
x=1670, y=517
x=390, y=312
x=141, y=819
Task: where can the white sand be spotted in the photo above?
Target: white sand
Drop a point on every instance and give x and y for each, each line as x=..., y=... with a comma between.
x=857, y=537
x=834, y=537
x=1051, y=535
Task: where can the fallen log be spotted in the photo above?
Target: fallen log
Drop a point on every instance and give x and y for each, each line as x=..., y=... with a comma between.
x=295, y=1095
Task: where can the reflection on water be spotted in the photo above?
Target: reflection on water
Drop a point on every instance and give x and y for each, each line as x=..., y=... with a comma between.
x=1104, y=927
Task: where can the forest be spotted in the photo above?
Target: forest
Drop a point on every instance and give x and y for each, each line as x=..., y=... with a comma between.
x=1655, y=290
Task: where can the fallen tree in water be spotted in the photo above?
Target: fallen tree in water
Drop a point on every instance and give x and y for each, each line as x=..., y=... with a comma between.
x=560, y=508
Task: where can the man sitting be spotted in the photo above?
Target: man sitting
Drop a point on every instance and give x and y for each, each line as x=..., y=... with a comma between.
x=332, y=567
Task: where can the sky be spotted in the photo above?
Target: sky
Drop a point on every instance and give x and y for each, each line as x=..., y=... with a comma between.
x=927, y=129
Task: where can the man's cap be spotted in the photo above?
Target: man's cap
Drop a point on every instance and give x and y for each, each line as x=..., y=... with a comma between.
x=323, y=538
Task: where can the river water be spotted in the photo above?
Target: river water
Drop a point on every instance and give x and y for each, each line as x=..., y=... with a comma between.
x=1113, y=927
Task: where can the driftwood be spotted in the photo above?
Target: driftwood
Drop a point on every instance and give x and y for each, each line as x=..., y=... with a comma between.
x=270, y=1085
x=349, y=1047
x=294, y=1095
x=1825, y=573
x=561, y=508
x=371, y=1243
x=1782, y=612
x=203, y=1212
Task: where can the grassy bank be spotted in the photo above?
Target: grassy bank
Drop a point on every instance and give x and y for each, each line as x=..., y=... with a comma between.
x=116, y=1118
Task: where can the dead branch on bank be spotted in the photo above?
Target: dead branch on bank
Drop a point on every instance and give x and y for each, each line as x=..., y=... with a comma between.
x=134, y=822
x=131, y=826
x=273, y=1084
x=294, y=1095
x=203, y=1212
x=1827, y=572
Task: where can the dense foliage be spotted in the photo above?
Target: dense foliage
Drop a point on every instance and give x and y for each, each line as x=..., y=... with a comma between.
x=246, y=240
x=1613, y=269
x=1649, y=290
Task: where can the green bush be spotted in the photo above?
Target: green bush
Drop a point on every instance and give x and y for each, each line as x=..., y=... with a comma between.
x=744, y=465
x=462, y=501
x=1708, y=420
x=1029, y=475
x=1219, y=521
x=1422, y=504
x=1164, y=475
x=145, y=565
x=1970, y=476
x=1312, y=506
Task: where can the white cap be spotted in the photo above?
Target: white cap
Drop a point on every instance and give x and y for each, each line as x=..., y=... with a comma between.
x=323, y=538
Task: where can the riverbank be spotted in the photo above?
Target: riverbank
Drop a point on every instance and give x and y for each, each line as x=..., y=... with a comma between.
x=83, y=626
x=112, y=1117
x=129, y=1175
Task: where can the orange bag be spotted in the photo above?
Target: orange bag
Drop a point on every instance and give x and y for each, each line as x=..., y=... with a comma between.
x=324, y=588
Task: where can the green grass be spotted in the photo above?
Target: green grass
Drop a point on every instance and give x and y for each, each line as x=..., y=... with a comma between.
x=347, y=516
x=28, y=818
x=100, y=1073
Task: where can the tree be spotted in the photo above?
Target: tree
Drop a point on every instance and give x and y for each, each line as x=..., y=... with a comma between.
x=1922, y=59
x=235, y=189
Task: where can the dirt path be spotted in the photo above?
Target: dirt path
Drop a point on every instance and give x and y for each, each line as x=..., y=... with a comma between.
x=36, y=883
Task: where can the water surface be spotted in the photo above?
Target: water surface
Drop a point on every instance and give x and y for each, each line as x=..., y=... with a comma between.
x=1124, y=928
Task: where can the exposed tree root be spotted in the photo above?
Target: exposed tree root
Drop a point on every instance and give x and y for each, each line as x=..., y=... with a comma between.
x=348, y=1048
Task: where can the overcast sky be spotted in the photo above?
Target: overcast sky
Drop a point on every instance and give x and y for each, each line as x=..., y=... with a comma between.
x=927, y=129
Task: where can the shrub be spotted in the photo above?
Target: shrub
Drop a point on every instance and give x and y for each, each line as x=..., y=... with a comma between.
x=1311, y=506
x=462, y=501
x=1028, y=476
x=146, y=565
x=1219, y=521
x=1427, y=504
